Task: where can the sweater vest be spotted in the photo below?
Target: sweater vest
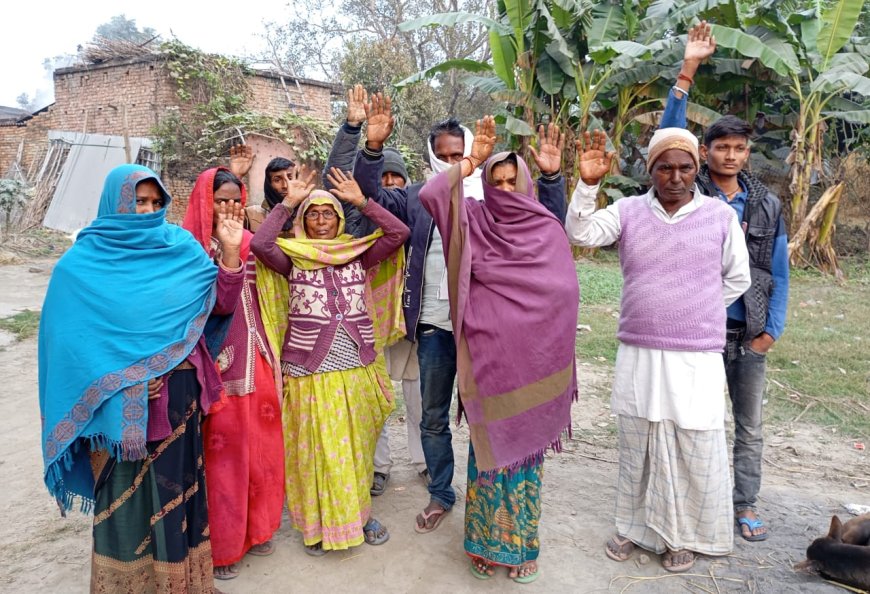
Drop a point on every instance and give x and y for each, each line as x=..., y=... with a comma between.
x=672, y=292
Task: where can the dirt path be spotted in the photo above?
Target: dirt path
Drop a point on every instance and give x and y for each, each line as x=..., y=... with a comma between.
x=807, y=479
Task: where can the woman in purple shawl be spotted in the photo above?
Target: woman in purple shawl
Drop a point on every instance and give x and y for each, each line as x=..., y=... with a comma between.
x=513, y=303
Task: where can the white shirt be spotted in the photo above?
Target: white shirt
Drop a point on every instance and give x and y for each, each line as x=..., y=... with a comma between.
x=656, y=384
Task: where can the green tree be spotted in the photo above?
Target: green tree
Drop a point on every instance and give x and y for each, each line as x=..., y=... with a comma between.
x=119, y=27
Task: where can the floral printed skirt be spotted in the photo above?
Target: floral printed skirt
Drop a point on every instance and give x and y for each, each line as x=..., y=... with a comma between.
x=502, y=512
x=331, y=425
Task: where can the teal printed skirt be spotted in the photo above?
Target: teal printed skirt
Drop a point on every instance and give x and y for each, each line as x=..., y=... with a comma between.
x=502, y=512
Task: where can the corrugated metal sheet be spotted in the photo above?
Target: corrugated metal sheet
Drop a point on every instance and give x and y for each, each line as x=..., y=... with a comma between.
x=91, y=157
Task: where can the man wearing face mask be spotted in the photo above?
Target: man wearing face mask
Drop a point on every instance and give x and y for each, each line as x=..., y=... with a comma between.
x=425, y=298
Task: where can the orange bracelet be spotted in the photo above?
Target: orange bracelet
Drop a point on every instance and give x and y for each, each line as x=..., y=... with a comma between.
x=688, y=79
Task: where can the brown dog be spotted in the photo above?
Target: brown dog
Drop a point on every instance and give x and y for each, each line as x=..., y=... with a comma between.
x=844, y=554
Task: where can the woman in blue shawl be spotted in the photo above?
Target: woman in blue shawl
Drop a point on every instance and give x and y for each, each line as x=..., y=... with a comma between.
x=124, y=378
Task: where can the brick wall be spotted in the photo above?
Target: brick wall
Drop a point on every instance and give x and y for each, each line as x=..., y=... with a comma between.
x=135, y=94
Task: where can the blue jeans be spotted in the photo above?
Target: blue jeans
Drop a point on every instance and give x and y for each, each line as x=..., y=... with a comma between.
x=745, y=371
x=436, y=352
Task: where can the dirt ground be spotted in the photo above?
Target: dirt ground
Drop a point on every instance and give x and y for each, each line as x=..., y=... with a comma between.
x=810, y=474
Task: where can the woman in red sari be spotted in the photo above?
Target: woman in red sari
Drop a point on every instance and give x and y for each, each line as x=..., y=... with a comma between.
x=243, y=442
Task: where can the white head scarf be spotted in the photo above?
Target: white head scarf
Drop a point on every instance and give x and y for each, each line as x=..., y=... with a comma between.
x=472, y=185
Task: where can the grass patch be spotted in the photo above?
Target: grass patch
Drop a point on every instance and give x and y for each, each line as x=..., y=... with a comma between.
x=600, y=290
x=23, y=324
x=821, y=362
x=823, y=359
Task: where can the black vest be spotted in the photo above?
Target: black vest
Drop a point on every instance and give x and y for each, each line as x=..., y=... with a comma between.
x=761, y=217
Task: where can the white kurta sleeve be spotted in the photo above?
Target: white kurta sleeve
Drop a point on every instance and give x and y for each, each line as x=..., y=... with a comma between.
x=735, y=263
x=586, y=226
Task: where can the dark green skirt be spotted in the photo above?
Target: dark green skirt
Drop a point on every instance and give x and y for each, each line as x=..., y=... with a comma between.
x=502, y=512
x=150, y=518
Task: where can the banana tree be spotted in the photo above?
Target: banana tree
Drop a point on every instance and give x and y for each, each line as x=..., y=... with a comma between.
x=813, y=54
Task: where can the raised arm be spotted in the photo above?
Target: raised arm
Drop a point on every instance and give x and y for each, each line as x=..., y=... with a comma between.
x=229, y=231
x=344, y=151
x=700, y=45
x=438, y=193
x=548, y=158
x=369, y=164
x=584, y=225
x=395, y=231
x=263, y=244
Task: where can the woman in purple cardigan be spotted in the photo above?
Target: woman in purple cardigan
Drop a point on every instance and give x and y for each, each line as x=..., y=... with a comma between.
x=336, y=398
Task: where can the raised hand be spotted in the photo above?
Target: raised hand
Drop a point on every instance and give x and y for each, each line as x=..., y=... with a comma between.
x=241, y=159
x=481, y=148
x=700, y=44
x=229, y=231
x=356, y=102
x=592, y=156
x=549, y=156
x=344, y=187
x=299, y=186
x=380, y=120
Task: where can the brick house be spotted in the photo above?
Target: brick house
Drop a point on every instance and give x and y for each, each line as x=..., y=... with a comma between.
x=128, y=97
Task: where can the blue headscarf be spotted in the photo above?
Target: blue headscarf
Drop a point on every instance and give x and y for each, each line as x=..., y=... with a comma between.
x=125, y=304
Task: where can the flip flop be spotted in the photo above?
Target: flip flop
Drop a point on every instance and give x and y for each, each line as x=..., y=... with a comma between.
x=528, y=579
x=263, y=549
x=669, y=554
x=752, y=525
x=437, y=513
x=226, y=572
x=620, y=543
x=372, y=528
x=481, y=575
x=379, y=484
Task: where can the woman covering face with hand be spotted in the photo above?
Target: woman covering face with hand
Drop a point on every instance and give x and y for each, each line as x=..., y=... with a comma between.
x=244, y=447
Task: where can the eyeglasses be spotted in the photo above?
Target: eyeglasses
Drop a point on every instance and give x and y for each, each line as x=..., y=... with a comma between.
x=313, y=215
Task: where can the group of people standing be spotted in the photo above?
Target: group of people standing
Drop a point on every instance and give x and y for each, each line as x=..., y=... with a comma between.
x=194, y=378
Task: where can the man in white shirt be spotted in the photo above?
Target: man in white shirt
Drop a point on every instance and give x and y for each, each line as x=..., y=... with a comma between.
x=683, y=259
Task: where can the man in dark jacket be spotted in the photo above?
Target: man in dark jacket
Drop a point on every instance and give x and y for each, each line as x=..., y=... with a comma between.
x=401, y=358
x=756, y=320
x=425, y=295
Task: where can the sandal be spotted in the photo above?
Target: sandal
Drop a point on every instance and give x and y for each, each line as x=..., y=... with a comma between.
x=375, y=533
x=262, y=550
x=618, y=548
x=315, y=550
x=528, y=578
x=480, y=568
x=226, y=572
x=379, y=484
x=438, y=513
x=753, y=524
x=678, y=567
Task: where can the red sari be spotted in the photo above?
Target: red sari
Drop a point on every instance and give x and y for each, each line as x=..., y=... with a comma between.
x=243, y=441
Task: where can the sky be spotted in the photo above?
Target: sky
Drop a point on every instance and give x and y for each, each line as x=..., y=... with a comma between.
x=29, y=33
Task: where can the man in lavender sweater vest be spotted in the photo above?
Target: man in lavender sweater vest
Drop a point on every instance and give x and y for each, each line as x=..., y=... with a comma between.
x=683, y=258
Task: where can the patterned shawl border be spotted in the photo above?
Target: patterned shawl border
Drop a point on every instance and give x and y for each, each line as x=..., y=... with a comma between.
x=58, y=453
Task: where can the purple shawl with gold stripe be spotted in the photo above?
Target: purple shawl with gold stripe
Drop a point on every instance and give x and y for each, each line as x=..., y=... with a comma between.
x=513, y=303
